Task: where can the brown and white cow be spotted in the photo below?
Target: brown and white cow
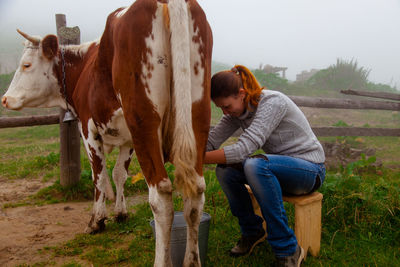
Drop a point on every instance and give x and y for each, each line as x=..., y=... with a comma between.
x=146, y=82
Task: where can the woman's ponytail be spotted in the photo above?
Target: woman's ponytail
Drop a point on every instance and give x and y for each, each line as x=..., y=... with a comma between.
x=250, y=85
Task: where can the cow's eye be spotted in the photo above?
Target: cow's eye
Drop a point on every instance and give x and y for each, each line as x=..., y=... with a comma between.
x=27, y=65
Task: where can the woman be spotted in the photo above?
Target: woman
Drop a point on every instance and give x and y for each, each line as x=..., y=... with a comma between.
x=293, y=163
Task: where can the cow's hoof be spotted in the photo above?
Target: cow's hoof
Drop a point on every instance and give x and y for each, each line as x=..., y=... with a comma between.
x=94, y=228
x=121, y=217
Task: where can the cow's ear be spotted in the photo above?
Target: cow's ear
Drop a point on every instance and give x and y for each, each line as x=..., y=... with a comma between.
x=50, y=46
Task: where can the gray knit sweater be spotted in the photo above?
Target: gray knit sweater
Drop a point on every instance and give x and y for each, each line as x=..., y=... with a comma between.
x=277, y=126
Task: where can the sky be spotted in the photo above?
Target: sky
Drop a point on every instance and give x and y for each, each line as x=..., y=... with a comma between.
x=297, y=34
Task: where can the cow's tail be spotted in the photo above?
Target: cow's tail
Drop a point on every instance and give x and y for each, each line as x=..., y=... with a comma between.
x=184, y=151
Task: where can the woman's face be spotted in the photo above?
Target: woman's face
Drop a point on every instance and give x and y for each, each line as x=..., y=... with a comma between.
x=232, y=105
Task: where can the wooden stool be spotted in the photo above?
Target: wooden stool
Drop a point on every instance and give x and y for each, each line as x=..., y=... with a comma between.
x=307, y=225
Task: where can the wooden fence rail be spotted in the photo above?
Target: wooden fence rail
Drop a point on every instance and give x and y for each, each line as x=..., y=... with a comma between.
x=319, y=131
x=10, y=122
x=355, y=131
x=318, y=102
x=383, y=95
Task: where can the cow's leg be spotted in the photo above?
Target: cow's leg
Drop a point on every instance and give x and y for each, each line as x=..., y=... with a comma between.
x=193, y=210
x=94, y=148
x=100, y=179
x=99, y=175
x=120, y=173
x=146, y=136
x=160, y=193
x=160, y=199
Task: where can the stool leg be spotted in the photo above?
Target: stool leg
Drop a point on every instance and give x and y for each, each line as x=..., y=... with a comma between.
x=256, y=206
x=315, y=243
x=308, y=226
x=257, y=209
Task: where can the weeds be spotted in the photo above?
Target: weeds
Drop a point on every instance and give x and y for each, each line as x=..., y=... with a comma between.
x=361, y=211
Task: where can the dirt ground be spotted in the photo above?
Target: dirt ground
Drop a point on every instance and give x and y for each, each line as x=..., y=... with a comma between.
x=24, y=230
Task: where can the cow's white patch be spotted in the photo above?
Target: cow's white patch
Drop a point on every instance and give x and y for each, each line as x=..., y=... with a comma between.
x=122, y=12
x=119, y=176
x=81, y=49
x=197, y=71
x=156, y=71
x=115, y=132
x=161, y=203
x=119, y=98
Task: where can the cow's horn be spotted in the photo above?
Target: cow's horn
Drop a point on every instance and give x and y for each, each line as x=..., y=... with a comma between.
x=34, y=40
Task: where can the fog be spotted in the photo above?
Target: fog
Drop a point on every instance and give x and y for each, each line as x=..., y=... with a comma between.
x=297, y=34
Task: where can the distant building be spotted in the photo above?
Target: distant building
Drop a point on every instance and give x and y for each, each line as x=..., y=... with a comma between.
x=272, y=69
x=305, y=75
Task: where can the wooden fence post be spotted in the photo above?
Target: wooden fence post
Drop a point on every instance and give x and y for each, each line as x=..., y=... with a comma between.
x=70, y=157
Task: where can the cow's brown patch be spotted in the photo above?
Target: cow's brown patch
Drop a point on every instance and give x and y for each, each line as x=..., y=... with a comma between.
x=97, y=166
x=126, y=164
x=193, y=215
x=112, y=132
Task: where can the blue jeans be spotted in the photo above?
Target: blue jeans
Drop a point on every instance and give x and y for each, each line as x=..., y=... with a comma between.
x=268, y=178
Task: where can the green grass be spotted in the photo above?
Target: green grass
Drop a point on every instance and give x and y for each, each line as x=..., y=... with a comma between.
x=33, y=153
x=360, y=225
x=29, y=152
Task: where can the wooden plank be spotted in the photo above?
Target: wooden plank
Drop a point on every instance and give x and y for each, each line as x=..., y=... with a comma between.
x=23, y=121
x=317, y=102
x=303, y=199
x=383, y=95
x=355, y=131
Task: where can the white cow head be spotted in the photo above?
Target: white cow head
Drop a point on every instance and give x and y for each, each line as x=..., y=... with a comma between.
x=35, y=83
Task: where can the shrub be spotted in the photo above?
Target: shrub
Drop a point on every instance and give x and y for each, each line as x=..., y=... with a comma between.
x=343, y=75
